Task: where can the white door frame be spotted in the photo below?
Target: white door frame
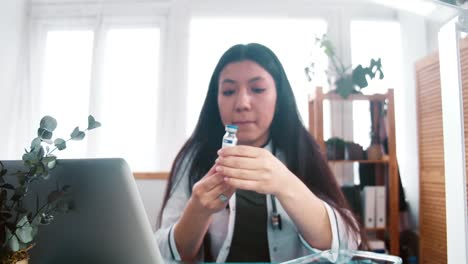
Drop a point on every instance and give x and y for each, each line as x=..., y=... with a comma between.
x=454, y=140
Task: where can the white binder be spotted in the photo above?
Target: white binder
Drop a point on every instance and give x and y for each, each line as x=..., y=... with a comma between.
x=380, y=206
x=368, y=197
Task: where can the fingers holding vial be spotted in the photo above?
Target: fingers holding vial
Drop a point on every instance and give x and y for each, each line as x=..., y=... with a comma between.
x=229, y=140
x=212, y=193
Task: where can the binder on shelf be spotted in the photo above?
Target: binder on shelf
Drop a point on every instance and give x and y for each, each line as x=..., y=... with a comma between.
x=380, y=206
x=377, y=246
x=368, y=198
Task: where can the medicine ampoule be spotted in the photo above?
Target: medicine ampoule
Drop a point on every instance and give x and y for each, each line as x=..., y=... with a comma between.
x=230, y=138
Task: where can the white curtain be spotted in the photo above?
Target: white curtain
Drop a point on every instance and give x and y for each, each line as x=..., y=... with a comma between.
x=15, y=91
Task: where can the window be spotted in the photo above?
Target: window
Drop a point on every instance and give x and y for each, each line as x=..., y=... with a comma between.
x=118, y=83
x=375, y=39
x=129, y=89
x=291, y=39
x=66, y=79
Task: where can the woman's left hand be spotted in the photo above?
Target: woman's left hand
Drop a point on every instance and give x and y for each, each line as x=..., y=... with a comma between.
x=254, y=169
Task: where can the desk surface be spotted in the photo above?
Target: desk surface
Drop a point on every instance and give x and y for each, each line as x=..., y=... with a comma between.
x=344, y=257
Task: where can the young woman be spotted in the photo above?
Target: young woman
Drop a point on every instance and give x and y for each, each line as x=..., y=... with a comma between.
x=272, y=197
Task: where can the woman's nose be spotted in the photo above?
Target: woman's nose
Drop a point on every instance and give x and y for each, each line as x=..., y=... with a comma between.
x=243, y=100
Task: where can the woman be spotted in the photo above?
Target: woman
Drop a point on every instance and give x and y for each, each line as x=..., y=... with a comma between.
x=272, y=197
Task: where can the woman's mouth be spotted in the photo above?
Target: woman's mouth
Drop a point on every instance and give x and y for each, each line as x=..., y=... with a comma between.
x=242, y=123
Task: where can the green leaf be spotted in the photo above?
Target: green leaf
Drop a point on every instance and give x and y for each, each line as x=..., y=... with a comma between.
x=359, y=77
x=13, y=242
x=44, y=134
x=30, y=157
x=46, y=219
x=36, y=143
x=40, y=169
x=48, y=141
x=344, y=86
x=34, y=230
x=21, y=177
x=24, y=230
x=40, y=153
x=92, y=123
x=60, y=143
x=50, y=160
x=49, y=123
x=77, y=134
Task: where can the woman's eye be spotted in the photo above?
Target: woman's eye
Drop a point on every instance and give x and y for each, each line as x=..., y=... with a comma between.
x=228, y=92
x=258, y=90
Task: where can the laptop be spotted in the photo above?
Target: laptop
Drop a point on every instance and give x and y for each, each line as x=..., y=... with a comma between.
x=108, y=223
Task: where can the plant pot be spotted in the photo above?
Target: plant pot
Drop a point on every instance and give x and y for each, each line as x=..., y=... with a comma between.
x=344, y=86
x=335, y=152
x=374, y=152
x=17, y=257
x=353, y=151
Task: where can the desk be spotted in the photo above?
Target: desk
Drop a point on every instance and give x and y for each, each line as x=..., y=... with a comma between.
x=345, y=257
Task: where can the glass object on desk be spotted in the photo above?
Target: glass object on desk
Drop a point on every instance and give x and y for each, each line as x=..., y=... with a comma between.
x=346, y=256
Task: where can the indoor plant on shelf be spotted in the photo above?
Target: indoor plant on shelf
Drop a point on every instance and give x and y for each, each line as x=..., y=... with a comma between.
x=345, y=80
x=18, y=225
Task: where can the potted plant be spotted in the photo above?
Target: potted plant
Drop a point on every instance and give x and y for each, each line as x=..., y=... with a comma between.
x=19, y=226
x=335, y=148
x=345, y=79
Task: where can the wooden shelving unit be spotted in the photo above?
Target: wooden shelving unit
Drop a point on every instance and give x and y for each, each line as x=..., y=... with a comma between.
x=360, y=161
x=390, y=163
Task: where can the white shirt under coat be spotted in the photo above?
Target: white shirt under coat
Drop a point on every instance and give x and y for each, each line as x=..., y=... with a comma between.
x=284, y=244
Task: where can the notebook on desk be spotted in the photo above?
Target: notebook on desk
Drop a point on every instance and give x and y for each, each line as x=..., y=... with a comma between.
x=108, y=223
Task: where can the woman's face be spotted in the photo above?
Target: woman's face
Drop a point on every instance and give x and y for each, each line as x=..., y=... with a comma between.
x=247, y=98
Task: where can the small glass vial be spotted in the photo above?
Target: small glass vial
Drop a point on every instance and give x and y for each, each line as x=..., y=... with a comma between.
x=230, y=138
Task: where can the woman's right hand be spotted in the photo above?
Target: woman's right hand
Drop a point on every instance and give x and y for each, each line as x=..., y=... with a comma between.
x=207, y=191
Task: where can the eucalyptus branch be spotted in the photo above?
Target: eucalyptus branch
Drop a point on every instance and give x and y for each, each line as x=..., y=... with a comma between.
x=65, y=141
x=39, y=161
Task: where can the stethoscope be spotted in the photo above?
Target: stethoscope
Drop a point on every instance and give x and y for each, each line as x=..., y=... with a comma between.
x=275, y=216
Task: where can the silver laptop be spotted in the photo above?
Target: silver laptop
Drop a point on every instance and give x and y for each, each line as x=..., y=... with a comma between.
x=108, y=223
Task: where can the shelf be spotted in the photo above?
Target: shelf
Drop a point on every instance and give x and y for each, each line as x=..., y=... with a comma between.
x=353, y=97
x=360, y=161
x=375, y=228
x=386, y=171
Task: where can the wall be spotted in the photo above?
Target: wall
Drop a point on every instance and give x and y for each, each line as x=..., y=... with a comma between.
x=414, y=47
x=152, y=193
x=175, y=48
x=12, y=23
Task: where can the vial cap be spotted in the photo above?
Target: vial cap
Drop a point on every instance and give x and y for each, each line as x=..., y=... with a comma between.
x=231, y=128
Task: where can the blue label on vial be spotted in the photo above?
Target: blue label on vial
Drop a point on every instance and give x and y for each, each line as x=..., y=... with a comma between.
x=227, y=141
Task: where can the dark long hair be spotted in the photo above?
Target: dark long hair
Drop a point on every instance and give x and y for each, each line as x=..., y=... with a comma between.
x=303, y=155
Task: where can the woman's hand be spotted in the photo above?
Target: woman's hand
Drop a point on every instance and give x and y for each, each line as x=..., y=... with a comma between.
x=254, y=169
x=206, y=193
